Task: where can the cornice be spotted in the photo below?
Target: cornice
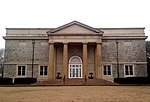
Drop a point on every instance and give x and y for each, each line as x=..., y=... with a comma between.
x=25, y=37
x=124, y=37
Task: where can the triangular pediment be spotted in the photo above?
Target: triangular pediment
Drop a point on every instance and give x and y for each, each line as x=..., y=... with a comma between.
x=75, y=27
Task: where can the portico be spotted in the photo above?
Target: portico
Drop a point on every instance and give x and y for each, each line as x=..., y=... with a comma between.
x=74, y=63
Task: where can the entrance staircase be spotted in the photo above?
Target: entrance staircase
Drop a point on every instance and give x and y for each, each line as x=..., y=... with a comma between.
x=75, y=82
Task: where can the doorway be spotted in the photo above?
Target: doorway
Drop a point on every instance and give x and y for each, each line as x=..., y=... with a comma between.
x=75, y=67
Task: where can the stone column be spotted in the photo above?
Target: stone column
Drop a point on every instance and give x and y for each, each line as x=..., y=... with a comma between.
x=51, y=74
x=85, y=63
x=65, y=60
x=98, y=61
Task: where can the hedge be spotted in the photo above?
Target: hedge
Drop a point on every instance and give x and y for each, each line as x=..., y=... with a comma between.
x=25, y=80
x=6, y=81
x=133, y=80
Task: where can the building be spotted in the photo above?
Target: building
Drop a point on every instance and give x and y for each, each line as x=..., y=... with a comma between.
x=75, y=50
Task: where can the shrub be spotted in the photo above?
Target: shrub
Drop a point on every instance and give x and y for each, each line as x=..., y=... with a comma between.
x=133, y=80
x=25, y=80
x=6, y=81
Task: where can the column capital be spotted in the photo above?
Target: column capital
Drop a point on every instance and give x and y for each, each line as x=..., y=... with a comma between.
x=98, y=43
x=51, y=42
x=65, y=43
x=84, y=42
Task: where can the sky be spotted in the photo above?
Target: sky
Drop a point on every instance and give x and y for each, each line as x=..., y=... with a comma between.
x=54, y=13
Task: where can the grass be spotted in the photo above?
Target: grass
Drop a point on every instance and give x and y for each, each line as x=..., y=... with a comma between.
x=76, y=94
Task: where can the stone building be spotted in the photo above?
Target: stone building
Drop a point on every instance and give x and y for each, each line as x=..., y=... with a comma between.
x=75, y=50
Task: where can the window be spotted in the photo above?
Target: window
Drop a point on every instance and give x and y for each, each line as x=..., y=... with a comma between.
x=129, y=70
x=21, y=70
x=107, y=69
x=43, y=70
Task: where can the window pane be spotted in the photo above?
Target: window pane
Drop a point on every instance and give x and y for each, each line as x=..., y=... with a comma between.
x=105, y=73
x=80, y=72
x=41, y=70
x=70, y=72
x=19, y=72
x=19, y=68
x=23, y=73
x=109, y=68
x=130, y=68
x=109, y=72
x=76, y=72
x=104, y=68
x=131, y=72
x=73, y=72
x=45, y=71
x=126, y=68
x=23, y=68
x=127, y=73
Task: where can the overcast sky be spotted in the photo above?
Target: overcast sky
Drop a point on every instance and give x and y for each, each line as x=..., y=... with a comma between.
x=54, y=13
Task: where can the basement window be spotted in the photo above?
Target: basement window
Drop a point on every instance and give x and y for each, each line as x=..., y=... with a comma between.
x=106, y=69
x=43, y=70
x=21, y=70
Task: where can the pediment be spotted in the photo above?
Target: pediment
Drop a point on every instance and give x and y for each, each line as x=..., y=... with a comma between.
x=74, y=28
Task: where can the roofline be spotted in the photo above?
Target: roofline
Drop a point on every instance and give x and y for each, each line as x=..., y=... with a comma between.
x=29, y=28
x=123, y=28
x=54, y=28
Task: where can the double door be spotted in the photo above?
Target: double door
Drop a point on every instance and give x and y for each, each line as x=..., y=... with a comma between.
x=75, y=71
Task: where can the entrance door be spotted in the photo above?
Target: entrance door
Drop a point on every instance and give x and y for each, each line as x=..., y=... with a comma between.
x=75, y=67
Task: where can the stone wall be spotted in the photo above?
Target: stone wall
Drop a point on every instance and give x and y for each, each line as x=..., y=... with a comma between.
x=129, y=52
x=19, y=52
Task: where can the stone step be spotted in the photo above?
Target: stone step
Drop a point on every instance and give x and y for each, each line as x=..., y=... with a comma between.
x=98, y=82
x=75, y=82
x=50, y=82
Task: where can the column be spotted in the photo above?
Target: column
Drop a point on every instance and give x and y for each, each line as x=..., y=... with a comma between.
x=65, y=60
x=85, y=60
x=51, y=62
x=98, y=61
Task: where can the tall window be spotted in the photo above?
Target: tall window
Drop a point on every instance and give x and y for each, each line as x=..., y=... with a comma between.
x=129, y=71
x=21, y=70
x=43, y=70
x=107, y=69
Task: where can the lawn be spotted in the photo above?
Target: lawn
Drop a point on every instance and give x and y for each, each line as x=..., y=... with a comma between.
x=76, y=94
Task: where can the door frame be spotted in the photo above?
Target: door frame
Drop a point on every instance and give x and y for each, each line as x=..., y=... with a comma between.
x=71, y=63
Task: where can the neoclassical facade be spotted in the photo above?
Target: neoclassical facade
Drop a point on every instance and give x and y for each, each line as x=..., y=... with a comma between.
x=75, y=50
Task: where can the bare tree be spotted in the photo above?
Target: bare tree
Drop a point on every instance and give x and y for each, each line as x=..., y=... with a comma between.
x=2, y=52
x=148, y=56
x=1, y=60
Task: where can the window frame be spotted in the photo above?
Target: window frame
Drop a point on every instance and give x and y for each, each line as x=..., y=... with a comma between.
x=133, y=70
x=17, y=69
x=43, y=70
x=107, y=69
